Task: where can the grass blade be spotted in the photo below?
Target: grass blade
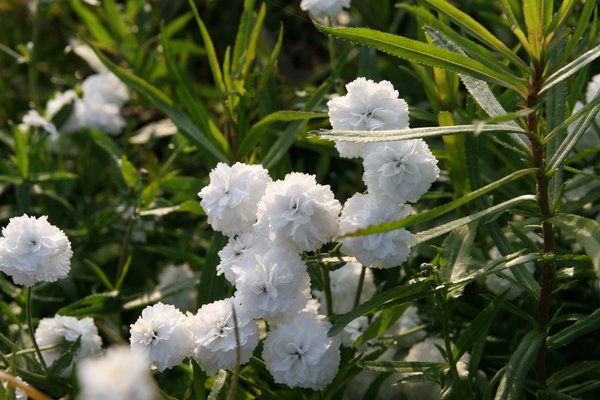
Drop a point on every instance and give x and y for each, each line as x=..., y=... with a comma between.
x=571, y=68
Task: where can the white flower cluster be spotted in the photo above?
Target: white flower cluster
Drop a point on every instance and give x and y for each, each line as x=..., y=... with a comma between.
x=99, y=108
x=32, y=250
x=54, y=331
x=120, y=374
x=324, y=8
x=394, y=172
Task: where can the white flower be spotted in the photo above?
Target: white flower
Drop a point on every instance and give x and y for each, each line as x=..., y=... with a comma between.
x=402, y=170
x=173, y=275
x=382, y=250
x=32, y=250
x=324, y=8
x=231, y=198
x=275, y=283
x=299, y=210
x=75, y=120
x=53, y=331
x=354, y=330
x=214, y=332
x=103, y=117
x=300, y=354
x=409, y=320
x=162, y=335
x=593, y=89
x=118, y=375
x=343, y=285
x=104, y=88
x=34, y=119
x=368, y=106
x=239, y=252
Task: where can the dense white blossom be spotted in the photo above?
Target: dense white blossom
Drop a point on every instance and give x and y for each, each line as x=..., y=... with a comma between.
x=54, y=331
x=300, y=354
x=231, y=198
x=34, y=119
x=274, y=283
x=32, y=250
x=299, y=210
x=215, y=339
x=382, y=250
x=173, y=275
x=239, y=252
x=118, y=375
x=104, y=88
x=162, y=335
x=403, y=170
x=344, y=285
x=367, y=106
x=324, y=8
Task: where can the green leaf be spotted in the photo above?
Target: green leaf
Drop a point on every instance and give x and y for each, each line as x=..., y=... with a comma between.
x=563, y=13
x=66, y=358
x=268, y=69
x=571, y=68
x=52, y=177
x=457, y=254
x=254, y=133
x=93, y=24
x=478, y=328
x=199, y=379
x=476, y=30
x=512, y=383
x=130, y=173
x=93, y=305
x=218, y=385
x=396, y=297
x=450, y=226
x=213, y=61
x=250, y=49
x=436, y=212
x=21, y=152
x=580, y=328
x=378, y=326
x=402, y=366
x=412, y=133
x=573, y=371
x=533, y=13
x=160, y=100
x=212, y=287
x=100, y=274
x=583, y=25
x=426, y=54
x=573, y=137
x=586, y=231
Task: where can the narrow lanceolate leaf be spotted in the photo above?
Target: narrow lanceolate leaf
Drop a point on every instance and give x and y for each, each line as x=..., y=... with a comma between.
x=580, y=328
x=397, y=295
x=571, y=68
x=587, y=233
x=401, y=366
x=213, y=61
x=414, y=133
x=436, y=212
x=533, y=13
x=161, y=101
x=476, y=30
x=450, y=226
x=478, y=328
x=572, y=138
x=425, y=53
x=573, y=371
x=513, y=382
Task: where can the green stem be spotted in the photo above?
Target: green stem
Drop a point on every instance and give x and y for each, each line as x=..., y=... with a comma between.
x=361, y=282
x=32, y=71
x=327, y=289
x=28, y=304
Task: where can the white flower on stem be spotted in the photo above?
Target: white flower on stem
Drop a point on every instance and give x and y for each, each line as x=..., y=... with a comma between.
x=162, y=335
x=54, y=331
x=300, y=354
x=275, y=283
x=120, y=374
x=300, y=211
x=381, y=250
x=402, y=170
x=239, y=253
x=173, y=275
x=231, y=198
x=104, y=88
x=32, y=250
x=344, y=286
x=215, y=339
x=368, y=106
x=324, y=8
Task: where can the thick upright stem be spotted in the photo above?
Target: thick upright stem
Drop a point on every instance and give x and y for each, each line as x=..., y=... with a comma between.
x=538, y=151
x=28, y=313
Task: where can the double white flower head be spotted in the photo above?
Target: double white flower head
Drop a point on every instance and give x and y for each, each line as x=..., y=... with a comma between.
x=32, y=250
